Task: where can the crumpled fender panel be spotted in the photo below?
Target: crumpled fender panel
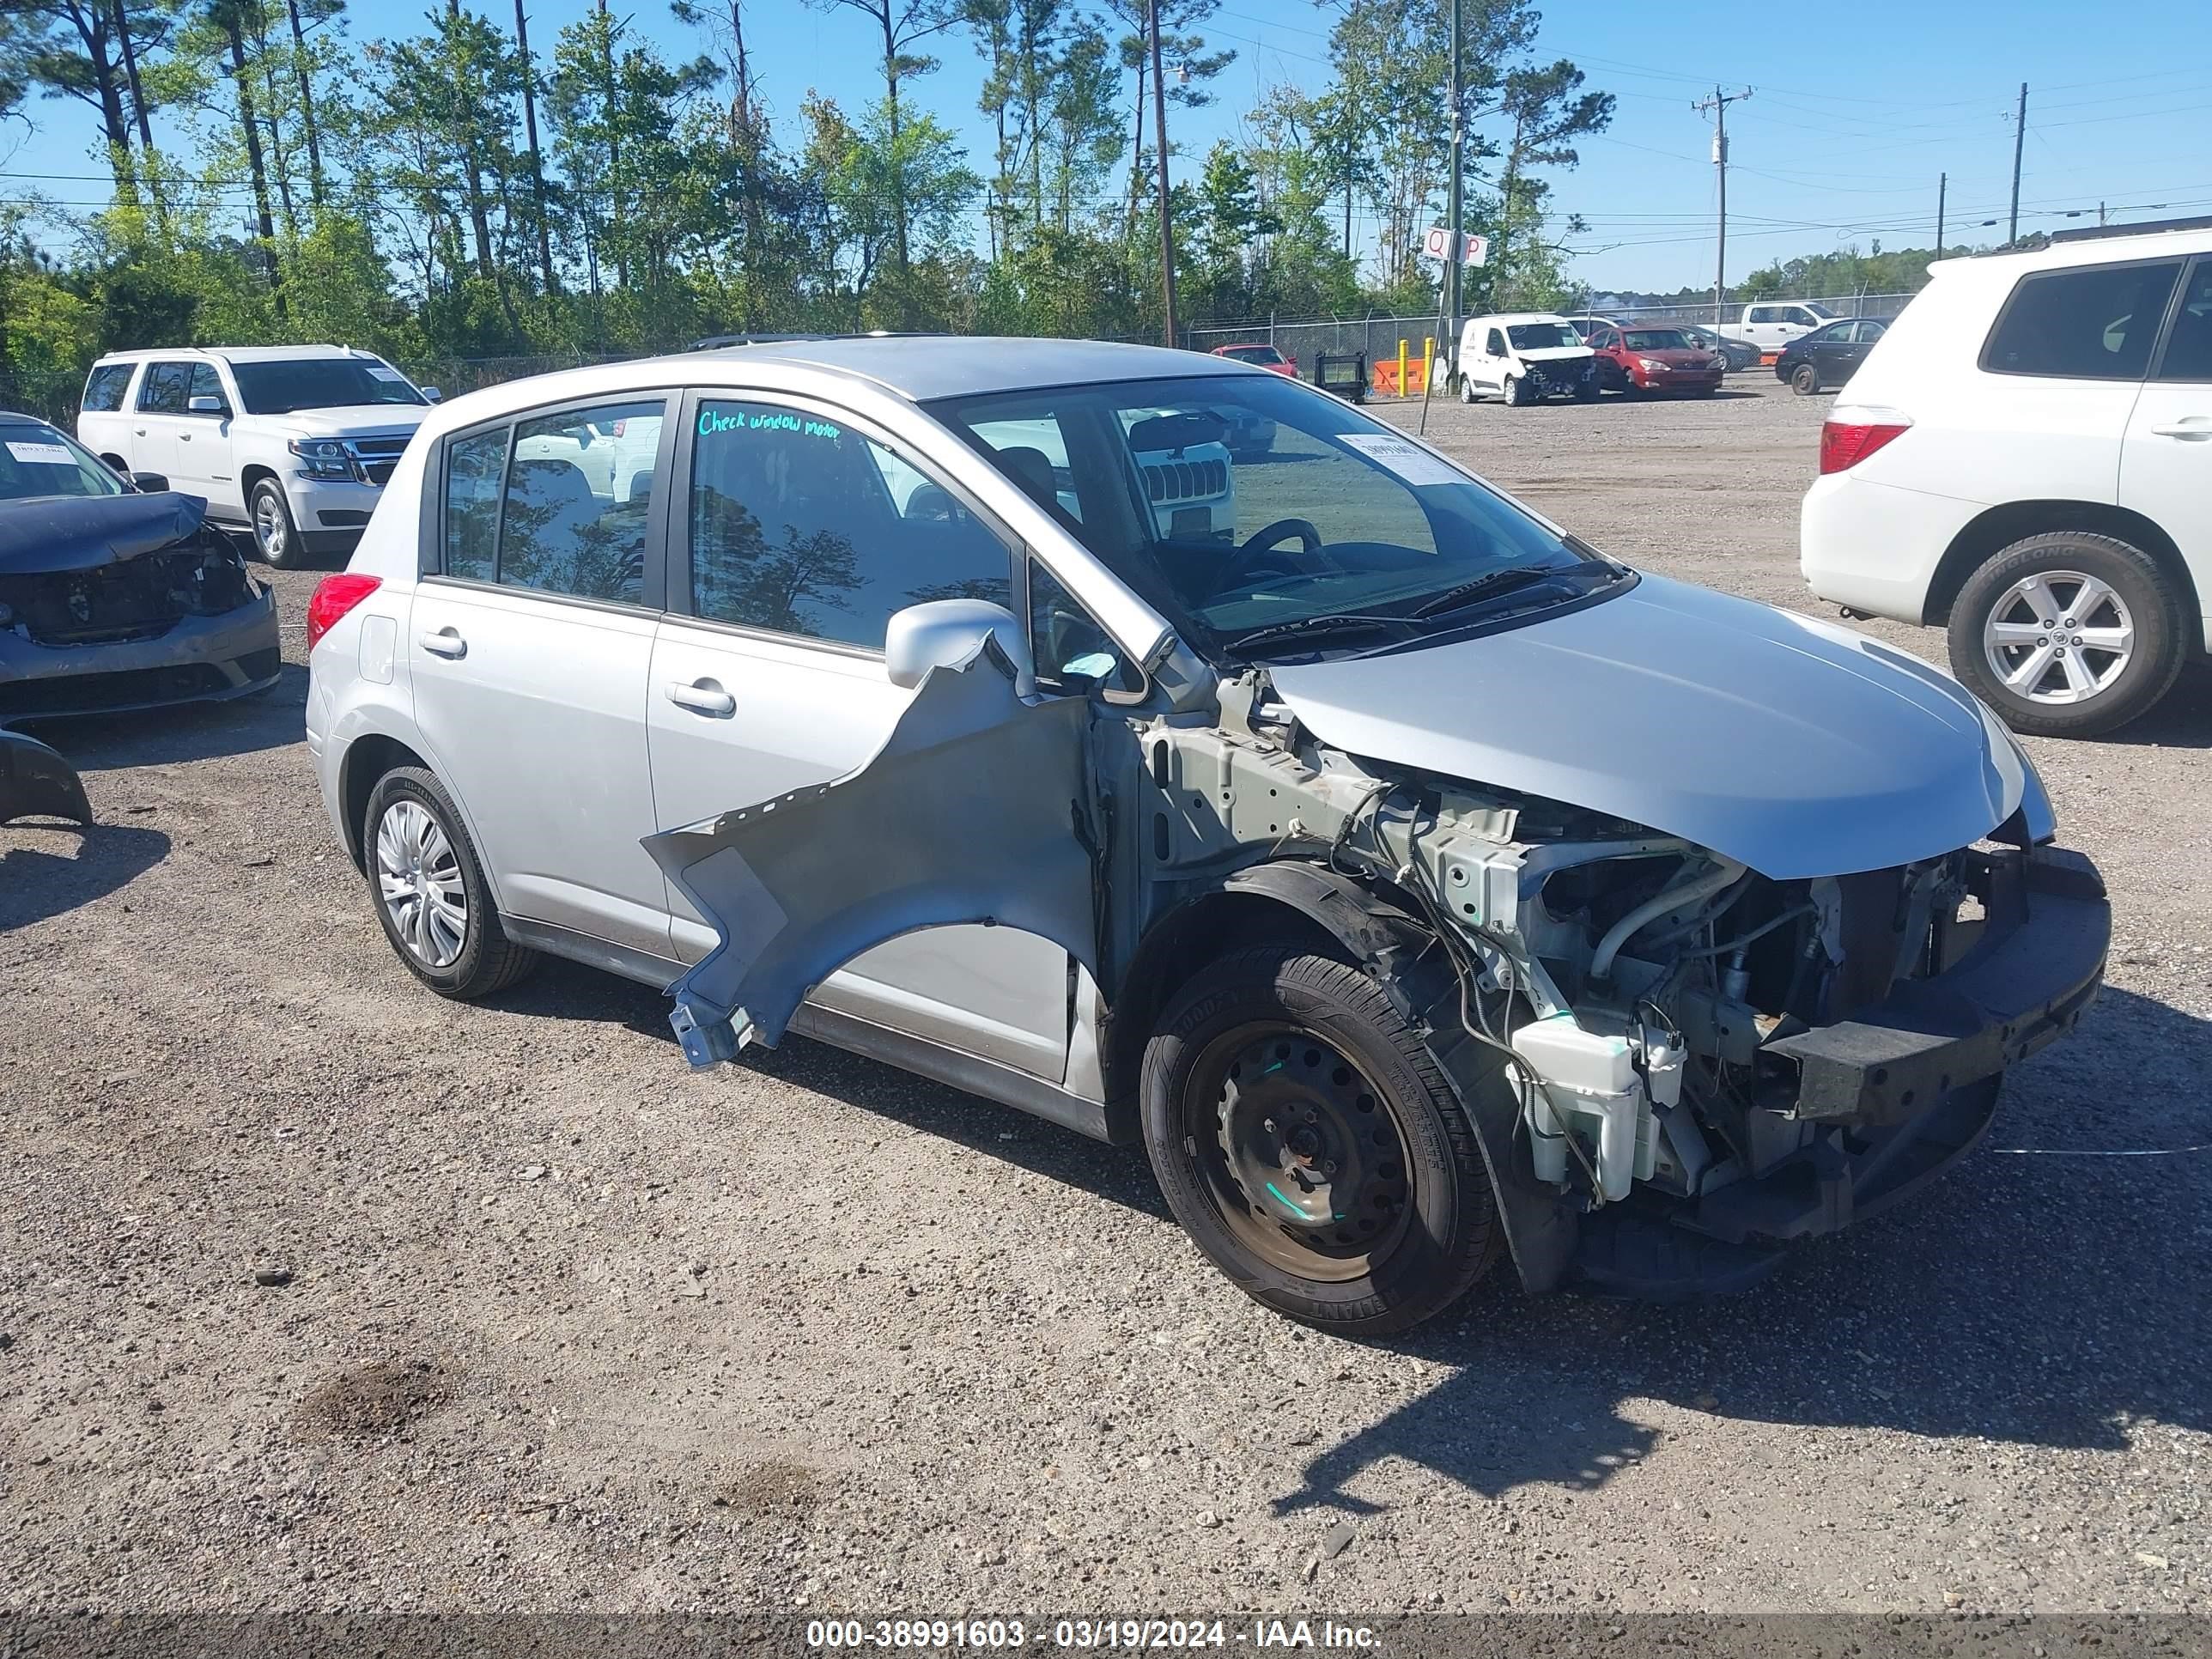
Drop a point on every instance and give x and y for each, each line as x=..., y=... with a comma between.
x=82, y=532
x=36, y=782
x=975, y=810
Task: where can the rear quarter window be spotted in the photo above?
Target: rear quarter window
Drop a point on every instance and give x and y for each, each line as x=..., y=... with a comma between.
x=2097, y=323
x=103, y=391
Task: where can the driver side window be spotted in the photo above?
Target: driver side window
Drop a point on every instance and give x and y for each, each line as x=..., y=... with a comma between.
x=1495, y=346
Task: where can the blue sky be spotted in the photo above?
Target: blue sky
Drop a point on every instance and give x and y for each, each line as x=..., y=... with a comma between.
x=1841, y=144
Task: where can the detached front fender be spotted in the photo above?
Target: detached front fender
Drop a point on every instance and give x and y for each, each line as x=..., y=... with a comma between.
x=36, y=782
x=976, y=809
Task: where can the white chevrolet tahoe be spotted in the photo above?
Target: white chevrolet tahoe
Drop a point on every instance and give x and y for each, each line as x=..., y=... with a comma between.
x=292, y=442
x=2025, y=459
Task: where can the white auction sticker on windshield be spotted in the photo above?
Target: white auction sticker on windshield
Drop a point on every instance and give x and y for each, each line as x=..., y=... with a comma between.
x=1408, y=461
x=379, y=371
x=36, y=454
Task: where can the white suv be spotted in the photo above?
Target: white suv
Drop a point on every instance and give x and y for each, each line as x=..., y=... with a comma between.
x=2026, y=457
x=294, y=442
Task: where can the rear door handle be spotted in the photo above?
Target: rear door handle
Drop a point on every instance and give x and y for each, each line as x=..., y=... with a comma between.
x=2190, y=426
x=445, y=642
x=702, y=697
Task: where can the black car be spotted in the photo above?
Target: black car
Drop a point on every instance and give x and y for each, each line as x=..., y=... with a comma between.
x=1828, y=356
x=1737, y=354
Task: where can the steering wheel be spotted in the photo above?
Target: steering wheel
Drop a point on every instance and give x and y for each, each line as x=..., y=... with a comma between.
x=1264, y=540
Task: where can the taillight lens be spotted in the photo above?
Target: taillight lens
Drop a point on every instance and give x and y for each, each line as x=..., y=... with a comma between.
x=1849, y=435
x=333, y=597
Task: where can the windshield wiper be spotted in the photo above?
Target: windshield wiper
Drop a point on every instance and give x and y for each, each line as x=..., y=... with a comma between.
x=1500, y=581
x=1334, y=621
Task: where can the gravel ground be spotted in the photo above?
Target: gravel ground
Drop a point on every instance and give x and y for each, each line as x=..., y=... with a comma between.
x=552, y=1323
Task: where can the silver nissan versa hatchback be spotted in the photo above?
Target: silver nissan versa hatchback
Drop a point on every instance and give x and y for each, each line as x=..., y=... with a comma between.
x=1418, y=883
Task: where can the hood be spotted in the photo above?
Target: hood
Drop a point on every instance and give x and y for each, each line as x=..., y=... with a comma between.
x=1794, y=746
x=78, y=532
x=354, y=421
x=1552, y=354
x=1676, y=357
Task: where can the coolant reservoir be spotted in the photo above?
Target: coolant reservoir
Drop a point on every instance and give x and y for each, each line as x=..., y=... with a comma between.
x=1591, y=1085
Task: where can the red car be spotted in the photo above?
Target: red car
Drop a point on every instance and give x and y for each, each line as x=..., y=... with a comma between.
x=1636, y=359
x=1261, y=356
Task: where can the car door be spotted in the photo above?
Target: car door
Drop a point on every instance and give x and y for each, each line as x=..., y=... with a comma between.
x=204, y=465
x=2165, y=460
x=157, y=420
x=529, y=642
x=799, y=533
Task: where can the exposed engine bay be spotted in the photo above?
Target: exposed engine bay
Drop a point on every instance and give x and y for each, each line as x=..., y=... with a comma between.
x=134, y=598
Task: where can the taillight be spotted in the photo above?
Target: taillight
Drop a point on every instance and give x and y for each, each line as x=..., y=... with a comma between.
x=333, y=597
x=1849, y=435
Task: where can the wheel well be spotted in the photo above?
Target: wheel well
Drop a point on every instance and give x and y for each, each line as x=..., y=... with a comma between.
x=367, y=759
x=250, y=476
x=1176, y=950
x=2000, y=526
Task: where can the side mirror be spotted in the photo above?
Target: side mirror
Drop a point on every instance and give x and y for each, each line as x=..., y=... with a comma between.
x=205, y=406
x=945, y=632
x=150, y=483
x=432, y=394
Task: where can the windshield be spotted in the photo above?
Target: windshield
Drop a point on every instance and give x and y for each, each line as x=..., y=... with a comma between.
x=1542, y=337
x=37, y=460
x=1819, y=311
x=1337, y=517
x=277, y=388
x=1263, y=354
x=1656, y=339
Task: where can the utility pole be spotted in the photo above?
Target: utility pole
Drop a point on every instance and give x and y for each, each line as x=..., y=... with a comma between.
x=2019, y=140
x=1718, y=104
x=1942, y=185
x=1456, y=201
x=1160, y=131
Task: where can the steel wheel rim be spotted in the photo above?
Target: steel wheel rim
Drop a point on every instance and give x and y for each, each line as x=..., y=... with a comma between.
x=1301, y=1155
x=269, y=525
x=2058, y=637
x=418, y=875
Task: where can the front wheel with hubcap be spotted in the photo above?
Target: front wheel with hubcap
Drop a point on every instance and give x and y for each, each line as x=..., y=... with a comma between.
x=2069, y=633
x=1305, y=1139
x=431, y=890
x=1516, y=391
x=276, y=537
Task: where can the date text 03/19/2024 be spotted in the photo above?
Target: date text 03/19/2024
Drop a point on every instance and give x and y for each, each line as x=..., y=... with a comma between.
x=926, y=1635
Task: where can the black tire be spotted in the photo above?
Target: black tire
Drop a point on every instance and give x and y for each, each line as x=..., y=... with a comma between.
x=1804, y=380
x=1517, y=391
x=488, y=961
x=2155, y=605
x=1414, y=1254
x=279, y=548
x=1465, y=389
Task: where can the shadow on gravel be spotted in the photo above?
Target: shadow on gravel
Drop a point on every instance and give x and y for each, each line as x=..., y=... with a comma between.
x=189, y=732
x=2031, y=1296
x=565, y=990
x=2182, y=720
x=36, y=883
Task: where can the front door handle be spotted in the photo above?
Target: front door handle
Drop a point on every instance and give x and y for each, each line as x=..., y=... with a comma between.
x=2189, y=426
x=183, y=437
x=445, y=642
x=702, y=697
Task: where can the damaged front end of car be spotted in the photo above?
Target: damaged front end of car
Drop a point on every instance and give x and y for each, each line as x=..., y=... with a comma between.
x=1677, y=1057
x=122, y=601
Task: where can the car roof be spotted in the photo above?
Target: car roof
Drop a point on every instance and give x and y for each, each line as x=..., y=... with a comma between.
x=924, y=366
x=1509, y=318
x=291, y=354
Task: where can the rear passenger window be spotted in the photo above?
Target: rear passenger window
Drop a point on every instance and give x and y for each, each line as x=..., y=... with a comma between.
x=103, y=391
x=2188, y=347
x=579, y=484
x=2093, y=324
x=473, y=468
x=163, y=394
x=801, y=526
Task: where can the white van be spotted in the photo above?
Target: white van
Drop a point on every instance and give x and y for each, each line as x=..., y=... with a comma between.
x=1524, y=357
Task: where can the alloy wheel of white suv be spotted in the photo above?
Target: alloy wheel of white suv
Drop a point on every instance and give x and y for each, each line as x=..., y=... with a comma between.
x=2068, y=634
x=275, y=536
